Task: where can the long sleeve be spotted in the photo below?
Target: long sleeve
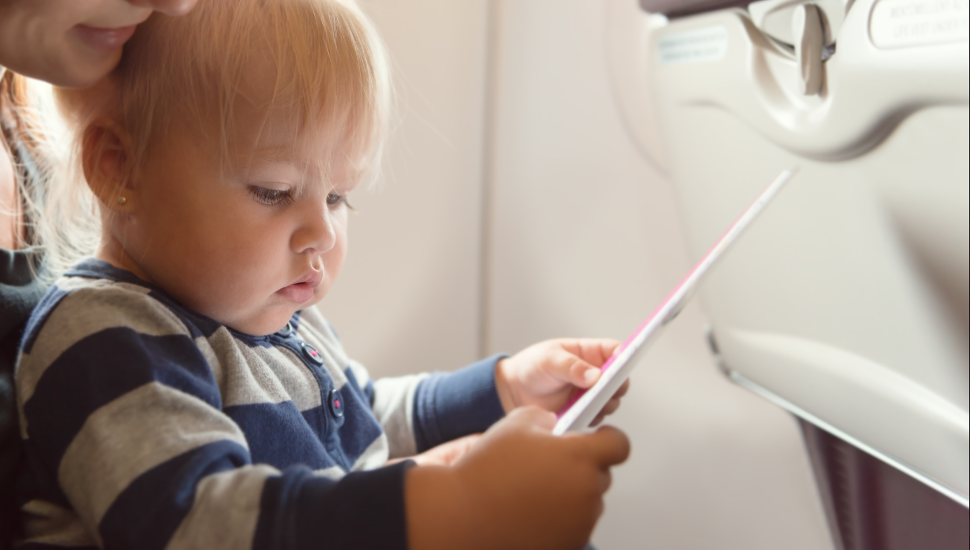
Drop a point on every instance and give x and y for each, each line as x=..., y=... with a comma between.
x=451, y=405
x=128, y=445
x=418, y=412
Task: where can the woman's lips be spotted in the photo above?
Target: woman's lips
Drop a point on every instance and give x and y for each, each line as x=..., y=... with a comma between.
x=105, y=39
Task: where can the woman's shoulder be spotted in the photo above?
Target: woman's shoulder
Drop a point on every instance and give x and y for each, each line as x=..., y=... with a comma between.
x=20, y=288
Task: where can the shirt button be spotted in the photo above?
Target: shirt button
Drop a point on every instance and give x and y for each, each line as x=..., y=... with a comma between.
x=286, y=331
x=312, y=353
x=336, y=403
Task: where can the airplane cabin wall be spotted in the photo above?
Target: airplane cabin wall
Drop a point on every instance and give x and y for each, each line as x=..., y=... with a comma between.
x=515, y=208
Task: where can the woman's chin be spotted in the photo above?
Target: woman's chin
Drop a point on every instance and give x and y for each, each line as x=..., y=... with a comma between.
x=83, y=69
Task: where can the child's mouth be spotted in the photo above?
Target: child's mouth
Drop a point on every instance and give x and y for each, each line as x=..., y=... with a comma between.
x=299, y=293
x=302, y=289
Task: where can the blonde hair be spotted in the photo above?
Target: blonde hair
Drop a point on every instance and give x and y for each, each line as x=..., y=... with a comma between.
x=25, y=134
x=330, y=71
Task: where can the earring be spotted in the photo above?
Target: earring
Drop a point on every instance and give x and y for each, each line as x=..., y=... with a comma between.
x=122, y=201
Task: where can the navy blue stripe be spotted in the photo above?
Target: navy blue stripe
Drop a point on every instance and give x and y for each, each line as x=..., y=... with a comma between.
x=265, y=341
x=274, y=528
x=34, y=482
x=94, y=268
x=198, y=324
x=39, y=317
x=363, y=511
x=352, y=378
x=45, y=546
x=360, y=427
x=101, y=368
x=451, y=405
x=278, y=435
x=147, y=513
x=326, y=427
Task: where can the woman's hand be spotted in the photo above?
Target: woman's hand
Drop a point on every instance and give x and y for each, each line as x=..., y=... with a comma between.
x=546, y=374
x=519, y=488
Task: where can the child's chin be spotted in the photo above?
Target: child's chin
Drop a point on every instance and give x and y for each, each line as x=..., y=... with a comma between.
x=265, y=323
x=270, y=319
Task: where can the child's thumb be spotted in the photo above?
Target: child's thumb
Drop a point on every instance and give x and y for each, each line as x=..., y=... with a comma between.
x=531, y=416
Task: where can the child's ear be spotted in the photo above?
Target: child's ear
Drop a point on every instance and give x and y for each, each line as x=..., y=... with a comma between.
x=106, y=159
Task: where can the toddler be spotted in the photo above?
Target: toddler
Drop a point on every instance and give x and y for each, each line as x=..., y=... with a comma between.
x=178, y=389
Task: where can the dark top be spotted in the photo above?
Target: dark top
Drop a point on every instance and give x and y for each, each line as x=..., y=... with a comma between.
x=19, y=293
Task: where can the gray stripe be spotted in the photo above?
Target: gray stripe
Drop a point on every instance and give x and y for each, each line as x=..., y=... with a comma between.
x=248, y=380
x=375, y=456
x=393, y=406
x=215, y=365
x=313, y=322
x=225, y=511
x=93, y=306
x=360, y=373
x=260, y=375
x=48, y=523
x=294, y=377
x=333, y=472
x=130, y=436
x=225, y=350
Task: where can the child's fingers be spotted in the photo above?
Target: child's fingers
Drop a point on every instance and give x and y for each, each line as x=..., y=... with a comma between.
x=595, y=351
x=571, y=369
x=611, y=406
x=446, y=454
x=531, y=416
x=623, y=389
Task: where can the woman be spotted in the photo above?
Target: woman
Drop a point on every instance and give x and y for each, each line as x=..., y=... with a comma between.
x=71, y=43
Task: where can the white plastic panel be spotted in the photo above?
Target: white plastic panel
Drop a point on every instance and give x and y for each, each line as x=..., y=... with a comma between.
x=849, y=299
x=867, y=90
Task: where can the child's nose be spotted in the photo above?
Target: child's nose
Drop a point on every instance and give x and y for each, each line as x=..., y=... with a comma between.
x=315, y=234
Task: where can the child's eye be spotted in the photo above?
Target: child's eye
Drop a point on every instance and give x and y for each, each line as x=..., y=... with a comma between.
x=333, y=199
x=270, y=197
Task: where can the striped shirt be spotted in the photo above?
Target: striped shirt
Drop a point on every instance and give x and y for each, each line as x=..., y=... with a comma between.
x=149, y=426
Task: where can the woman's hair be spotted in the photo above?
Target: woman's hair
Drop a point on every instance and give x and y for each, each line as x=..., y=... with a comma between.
x=328, y=70
x=23, y=133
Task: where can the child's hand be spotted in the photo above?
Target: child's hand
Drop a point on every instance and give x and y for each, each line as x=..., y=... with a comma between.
x=445, y=454
x=520, y=487
x=547, y=373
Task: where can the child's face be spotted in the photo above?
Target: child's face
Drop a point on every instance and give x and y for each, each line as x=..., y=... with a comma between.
x=247, y=248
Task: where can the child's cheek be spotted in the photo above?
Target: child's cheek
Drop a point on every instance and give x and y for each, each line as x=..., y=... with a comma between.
x=333, y=260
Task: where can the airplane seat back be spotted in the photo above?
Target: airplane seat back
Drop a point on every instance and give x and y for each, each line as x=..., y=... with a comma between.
x=847, y=303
